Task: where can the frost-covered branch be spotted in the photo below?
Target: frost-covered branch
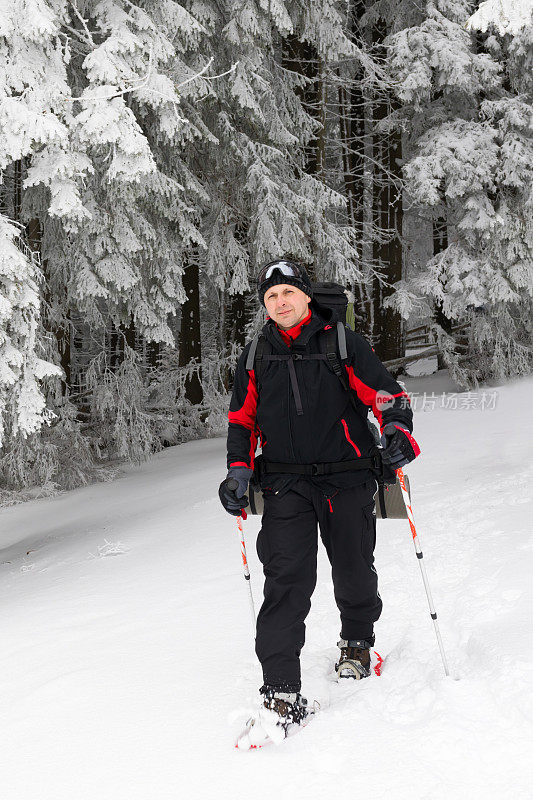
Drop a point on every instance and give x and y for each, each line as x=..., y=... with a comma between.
x=507, y=16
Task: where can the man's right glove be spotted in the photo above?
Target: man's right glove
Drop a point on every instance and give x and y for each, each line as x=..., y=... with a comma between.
x=399, y=447
x=232, y=490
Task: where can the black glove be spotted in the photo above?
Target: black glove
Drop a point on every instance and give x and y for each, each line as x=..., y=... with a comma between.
x=232, y=490
x=399, y=447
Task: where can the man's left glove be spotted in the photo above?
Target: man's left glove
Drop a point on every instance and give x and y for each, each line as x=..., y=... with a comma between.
x=232, y=490
x=399, y=447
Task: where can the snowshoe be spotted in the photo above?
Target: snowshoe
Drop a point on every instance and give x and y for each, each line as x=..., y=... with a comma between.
x=355, y=659
x=280, y=715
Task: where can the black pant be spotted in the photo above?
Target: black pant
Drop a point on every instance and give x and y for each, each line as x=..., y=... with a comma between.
x=287, y=547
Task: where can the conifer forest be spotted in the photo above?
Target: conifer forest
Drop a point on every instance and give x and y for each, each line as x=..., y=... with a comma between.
x=154, y=154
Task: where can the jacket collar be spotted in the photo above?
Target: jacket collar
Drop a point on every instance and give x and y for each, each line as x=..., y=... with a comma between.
x=293, y=333
x=321, y=316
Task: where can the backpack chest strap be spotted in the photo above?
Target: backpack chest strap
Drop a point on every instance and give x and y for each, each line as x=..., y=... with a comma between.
x=293, y=357
x=292, y=372
x=328, y=347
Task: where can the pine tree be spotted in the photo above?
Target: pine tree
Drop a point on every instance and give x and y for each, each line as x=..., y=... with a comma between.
x=470, y=156
x=22, y=402
x=153, y=154
x=91, y=119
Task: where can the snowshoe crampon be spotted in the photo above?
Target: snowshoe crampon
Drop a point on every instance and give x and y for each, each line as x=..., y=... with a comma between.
x=281, y=715
x=354, y=661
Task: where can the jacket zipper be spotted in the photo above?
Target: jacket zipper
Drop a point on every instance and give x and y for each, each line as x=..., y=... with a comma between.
x=289, y=348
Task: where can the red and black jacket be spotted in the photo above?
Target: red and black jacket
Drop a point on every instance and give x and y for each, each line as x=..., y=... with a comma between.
x=328, y=427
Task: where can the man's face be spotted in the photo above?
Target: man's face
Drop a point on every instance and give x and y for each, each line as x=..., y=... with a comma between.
x=286, y=305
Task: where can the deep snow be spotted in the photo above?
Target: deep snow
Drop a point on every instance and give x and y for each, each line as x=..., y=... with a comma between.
x=127, y=653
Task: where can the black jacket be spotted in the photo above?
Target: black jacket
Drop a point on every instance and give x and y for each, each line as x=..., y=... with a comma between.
x=330, y=429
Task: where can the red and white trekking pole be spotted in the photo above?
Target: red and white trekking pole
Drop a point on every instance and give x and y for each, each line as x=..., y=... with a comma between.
x=420, y=556
x=246, y=569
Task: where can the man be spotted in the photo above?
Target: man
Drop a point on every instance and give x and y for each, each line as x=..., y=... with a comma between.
x=301, y=412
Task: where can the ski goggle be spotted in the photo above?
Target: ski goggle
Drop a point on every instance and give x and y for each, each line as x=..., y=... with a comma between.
x=285, y=267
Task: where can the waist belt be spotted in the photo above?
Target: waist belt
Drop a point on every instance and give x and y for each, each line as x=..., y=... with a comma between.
x=322, y=469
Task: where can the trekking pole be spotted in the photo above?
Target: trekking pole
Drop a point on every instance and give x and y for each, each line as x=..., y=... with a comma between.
x=419, y=555
x=232, y=485
x=246, y=569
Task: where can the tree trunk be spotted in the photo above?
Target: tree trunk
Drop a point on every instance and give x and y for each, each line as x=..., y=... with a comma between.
x=356, y=135
x=129, y=334
x=302, y=58
x=351, y=106
x=440, y=243
x=388, y=252
x=190, y=345
x=235, y=319
x=113, y=346
x=17, y=190
x=153, y=353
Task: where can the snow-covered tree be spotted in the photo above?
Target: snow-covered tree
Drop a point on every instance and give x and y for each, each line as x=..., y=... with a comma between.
x=156, y=153
x=22, y=401
x=91, y=127
x=268, y=203
x=469, y=171
x=153, y=154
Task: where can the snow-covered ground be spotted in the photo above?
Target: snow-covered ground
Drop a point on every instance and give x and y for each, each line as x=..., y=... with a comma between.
x=127, y=652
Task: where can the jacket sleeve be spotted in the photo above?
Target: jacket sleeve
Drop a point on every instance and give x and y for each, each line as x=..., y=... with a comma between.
x=242, y=429
x=374, y=385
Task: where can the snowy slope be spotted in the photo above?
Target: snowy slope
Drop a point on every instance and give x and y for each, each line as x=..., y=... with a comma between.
x=127, y=653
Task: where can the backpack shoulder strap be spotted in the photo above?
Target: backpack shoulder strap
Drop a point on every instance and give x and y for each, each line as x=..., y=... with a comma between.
x=341, y=335
x=328, y=345
x=256, y=352
x=251, y=352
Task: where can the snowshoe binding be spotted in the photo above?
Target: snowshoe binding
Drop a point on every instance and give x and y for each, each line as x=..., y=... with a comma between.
x=280, y=715
x=355, y=659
